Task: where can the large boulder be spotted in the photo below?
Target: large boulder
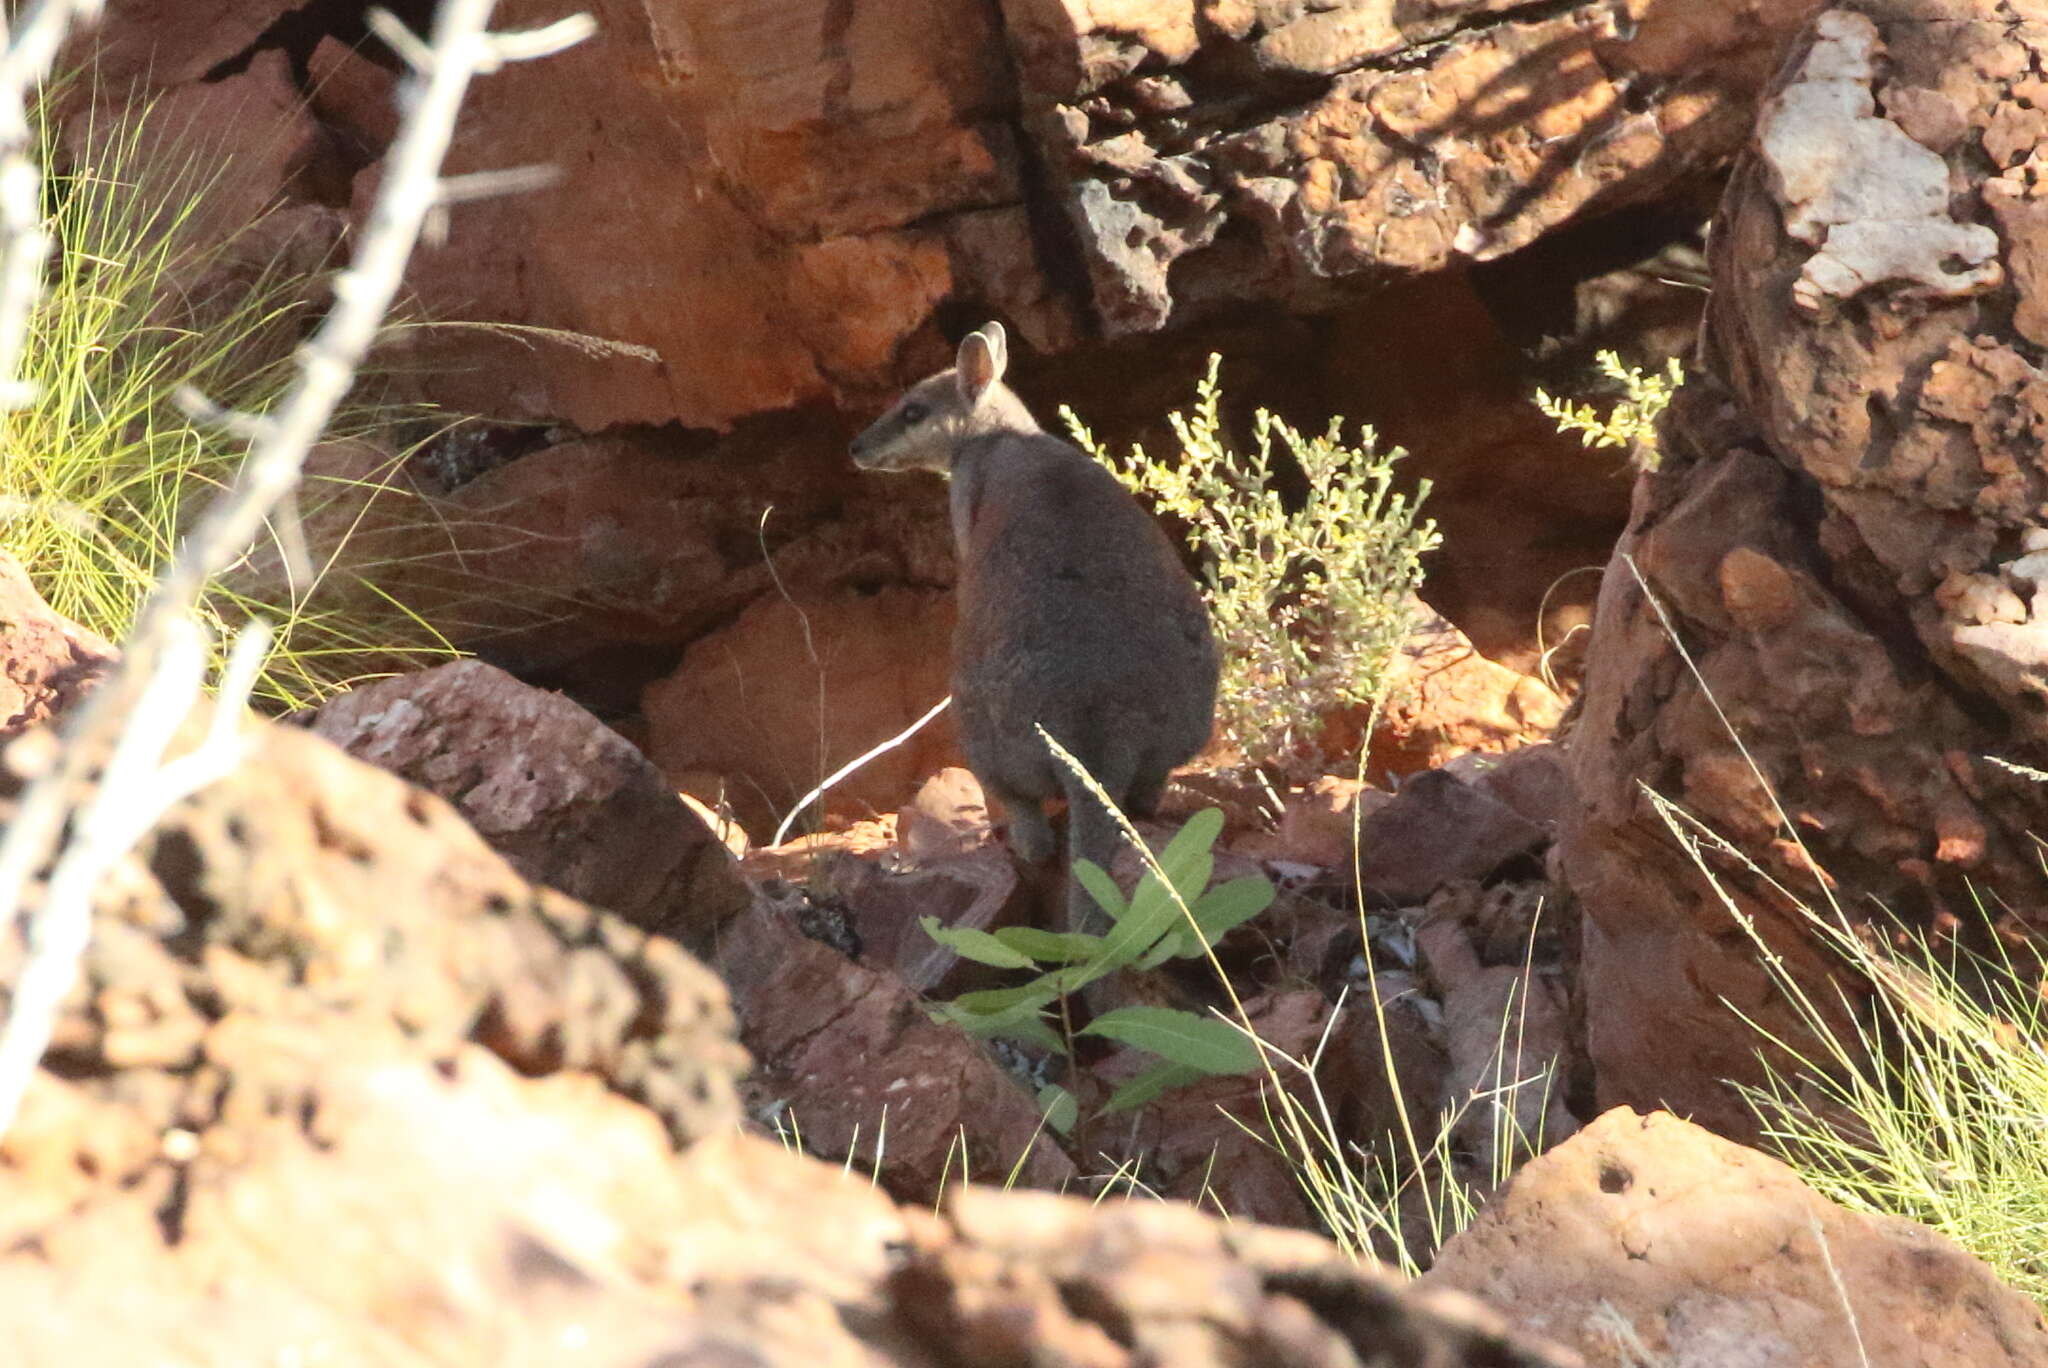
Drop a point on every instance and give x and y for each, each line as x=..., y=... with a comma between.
x=1239, y=150
x=1645, y=1239
x=569, y=802
x=1824, y=626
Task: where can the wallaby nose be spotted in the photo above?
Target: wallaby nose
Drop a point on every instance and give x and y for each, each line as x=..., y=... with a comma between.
x=858, y=448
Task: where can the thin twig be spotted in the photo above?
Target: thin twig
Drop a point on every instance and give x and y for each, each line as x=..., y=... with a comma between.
x=850, y=766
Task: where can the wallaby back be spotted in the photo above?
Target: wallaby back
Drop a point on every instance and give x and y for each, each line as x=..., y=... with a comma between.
x=1075, y=613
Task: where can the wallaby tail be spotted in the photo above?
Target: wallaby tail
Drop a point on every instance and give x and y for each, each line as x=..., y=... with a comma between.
x=1093, y=833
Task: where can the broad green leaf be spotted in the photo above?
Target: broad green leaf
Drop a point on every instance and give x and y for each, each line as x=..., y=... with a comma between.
x=1058, y=1107
x=989, y=1001
x=1074, y=977
x=1190, y=874
x=1032, y=1030
x=1050, y=947
x=1188, y=859
x=1160, y=1078
x=979, y=946
x=1012, y=1013
x=1204, y=1043
x=1094, y=878
x=1228, y=906
x=1151, y=915
x=1199, y=832
x=1168, y=947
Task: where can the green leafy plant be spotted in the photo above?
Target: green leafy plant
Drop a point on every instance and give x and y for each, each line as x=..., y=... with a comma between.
x=1175, y=917
x=1632, y=423
x=102, y=472
x=1310, y=600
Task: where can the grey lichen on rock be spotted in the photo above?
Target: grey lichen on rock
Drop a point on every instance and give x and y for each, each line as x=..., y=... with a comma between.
x=1858, y=187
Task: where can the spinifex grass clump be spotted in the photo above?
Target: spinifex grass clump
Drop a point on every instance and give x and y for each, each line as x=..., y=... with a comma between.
x=1310, y=599
x=100, y=475
x=1919, y=1086
x=1935, y=1106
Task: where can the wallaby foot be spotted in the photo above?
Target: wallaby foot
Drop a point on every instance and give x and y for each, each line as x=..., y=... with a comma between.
x=1146, y=791
x=1031, y=838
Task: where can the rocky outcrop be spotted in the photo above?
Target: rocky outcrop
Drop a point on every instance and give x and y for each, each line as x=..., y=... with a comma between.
x=1444, y=699
x=338, y=1083
x=760, y=712
x=1239, y=150
x=308, y=882
x=1662, y=1243
x=763, y=224
x=787, y=204
x=849, y=1063
x=1841, y=543
x=833, y=183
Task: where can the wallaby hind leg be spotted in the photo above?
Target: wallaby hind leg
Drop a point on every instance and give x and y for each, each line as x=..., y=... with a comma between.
x=1093, y=833
x=1031, y=838
x=1146, y=791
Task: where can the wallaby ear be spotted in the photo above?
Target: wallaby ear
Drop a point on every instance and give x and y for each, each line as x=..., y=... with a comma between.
x=982, y=357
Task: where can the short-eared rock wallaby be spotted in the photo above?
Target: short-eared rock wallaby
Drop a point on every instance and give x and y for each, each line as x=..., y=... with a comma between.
x=1075, y=612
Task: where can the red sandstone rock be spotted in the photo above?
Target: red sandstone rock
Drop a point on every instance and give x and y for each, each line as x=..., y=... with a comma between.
x=1660, y=1242
x=165, y=43
x=568, y=801
x=1437, y=830
x=1406, y=138
x=789, y=693
x=846, y=1057
x=826, y=181
x=241, y=140
x=1445, y=699
x=1213, y=1143
x=1840, y=537
x=1505, y=1033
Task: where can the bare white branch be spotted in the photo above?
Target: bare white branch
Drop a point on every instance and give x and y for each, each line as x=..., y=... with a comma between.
x=526, y=44
x=124, y=728
x=789, y=819
x=513, y=180
x=401, y=40
x=24, y=247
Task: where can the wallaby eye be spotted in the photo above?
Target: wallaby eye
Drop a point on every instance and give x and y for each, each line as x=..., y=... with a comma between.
x=913, y=414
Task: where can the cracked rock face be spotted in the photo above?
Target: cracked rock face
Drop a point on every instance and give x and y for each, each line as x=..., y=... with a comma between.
x=754, y=215
x=1240, y=149
x=763, y=213
x=1846, y=535
x=769, y=220
x=563, y=797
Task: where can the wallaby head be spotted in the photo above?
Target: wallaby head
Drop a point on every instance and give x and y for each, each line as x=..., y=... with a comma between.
x=935, y=415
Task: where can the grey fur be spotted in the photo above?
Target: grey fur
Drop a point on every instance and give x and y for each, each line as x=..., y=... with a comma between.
x=1075, y=612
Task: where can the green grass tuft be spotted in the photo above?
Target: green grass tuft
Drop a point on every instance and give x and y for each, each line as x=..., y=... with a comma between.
x=101, y=474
